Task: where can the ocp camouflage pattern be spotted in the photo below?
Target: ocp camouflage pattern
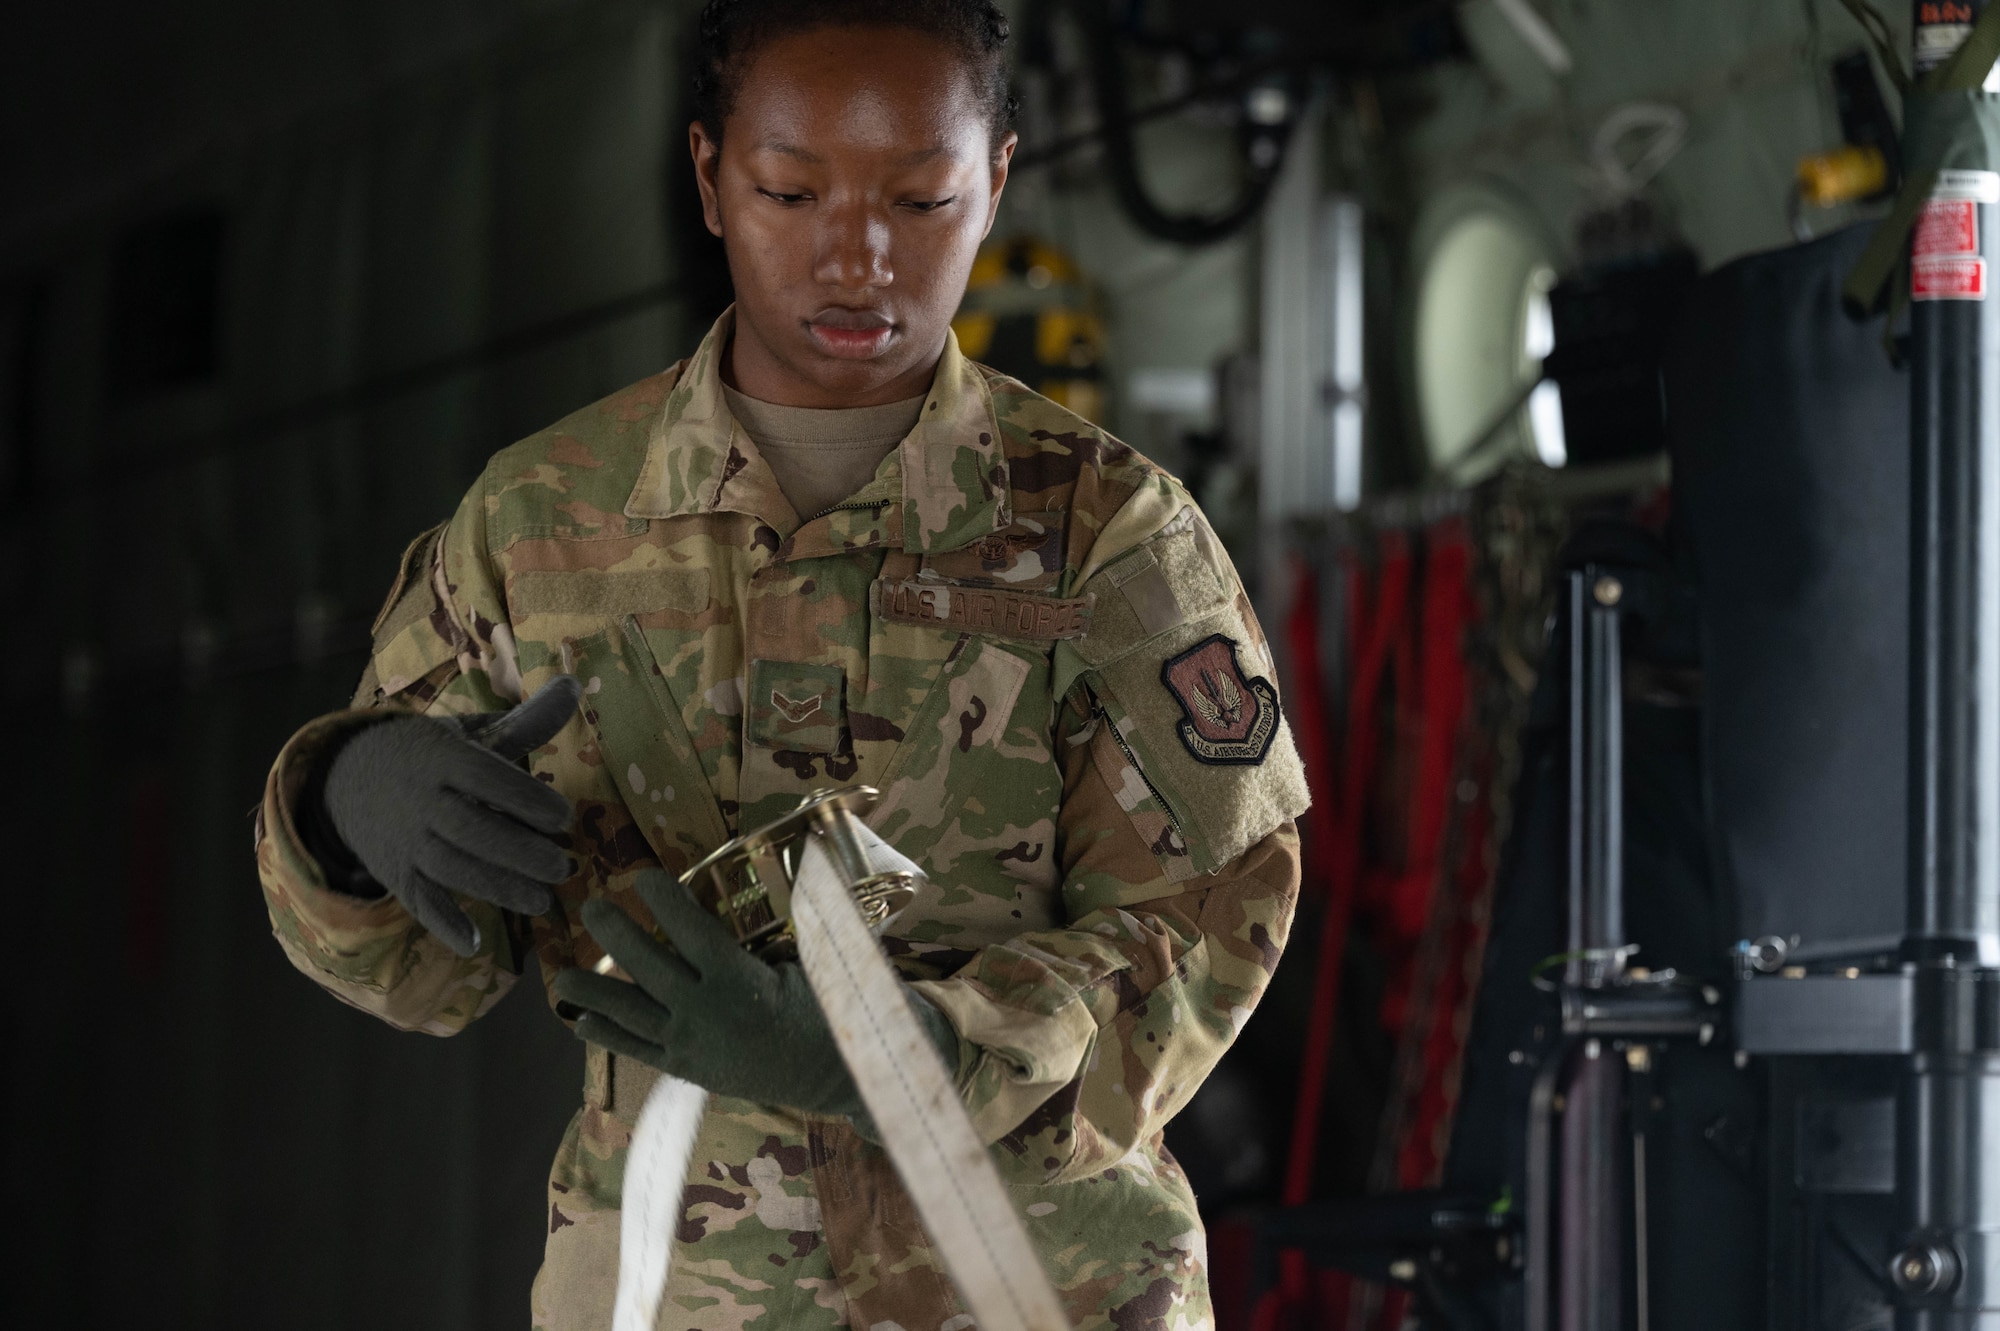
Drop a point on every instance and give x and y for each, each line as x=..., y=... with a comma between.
x=1104, y=909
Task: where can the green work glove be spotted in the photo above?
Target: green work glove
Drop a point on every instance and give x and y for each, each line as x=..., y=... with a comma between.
x=708, y=1012
x=431, y=806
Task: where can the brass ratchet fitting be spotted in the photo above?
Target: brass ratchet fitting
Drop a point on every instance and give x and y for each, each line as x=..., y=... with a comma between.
x=747, y=882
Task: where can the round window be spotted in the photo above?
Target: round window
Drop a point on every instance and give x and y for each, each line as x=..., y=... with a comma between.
x=1482, y=327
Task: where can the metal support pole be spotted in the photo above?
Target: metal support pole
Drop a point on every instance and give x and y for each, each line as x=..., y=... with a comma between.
x=1596, y=773
x=1604, y=902
x=1592, y=1193
x=1585, y=1222
x=1954, y=887
x=1947, y=1273
x=1593, y=1206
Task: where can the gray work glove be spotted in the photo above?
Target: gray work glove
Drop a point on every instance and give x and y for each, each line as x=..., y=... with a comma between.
x=710, y=1013
x=430, y=806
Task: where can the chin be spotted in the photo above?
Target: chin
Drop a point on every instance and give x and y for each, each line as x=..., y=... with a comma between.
x=849, y=375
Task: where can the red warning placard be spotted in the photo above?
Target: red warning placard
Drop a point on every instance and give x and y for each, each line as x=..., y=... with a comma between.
x=1946, y=226
x=1947, y=279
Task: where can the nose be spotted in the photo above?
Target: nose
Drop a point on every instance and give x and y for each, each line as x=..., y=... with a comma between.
x=852, y=248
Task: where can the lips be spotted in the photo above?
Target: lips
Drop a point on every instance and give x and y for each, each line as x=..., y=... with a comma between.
x=850, y=334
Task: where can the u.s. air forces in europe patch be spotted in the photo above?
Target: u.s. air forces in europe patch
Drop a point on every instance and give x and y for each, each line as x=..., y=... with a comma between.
x=1230, y=717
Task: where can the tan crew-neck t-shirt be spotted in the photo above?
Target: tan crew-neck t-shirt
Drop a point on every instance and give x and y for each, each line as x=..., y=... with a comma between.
x=820, y=456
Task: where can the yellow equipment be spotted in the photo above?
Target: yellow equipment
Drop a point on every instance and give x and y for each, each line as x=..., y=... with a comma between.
x=1842, y=176
x=1029, y=312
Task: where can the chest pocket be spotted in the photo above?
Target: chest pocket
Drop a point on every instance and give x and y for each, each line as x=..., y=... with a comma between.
x=970, y=785
x=972, y=769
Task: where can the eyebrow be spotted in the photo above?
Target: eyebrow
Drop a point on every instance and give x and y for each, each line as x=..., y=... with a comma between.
x=922, y=155
x=788, y=149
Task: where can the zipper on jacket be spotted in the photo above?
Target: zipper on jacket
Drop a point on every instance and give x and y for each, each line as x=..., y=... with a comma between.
x=873, y=503
x=1172, y=820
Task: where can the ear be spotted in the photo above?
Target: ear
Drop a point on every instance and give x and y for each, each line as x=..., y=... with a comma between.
x=707, y=155
x=1003, y=157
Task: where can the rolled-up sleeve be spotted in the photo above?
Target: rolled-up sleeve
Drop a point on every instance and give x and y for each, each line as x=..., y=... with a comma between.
x=440, y=645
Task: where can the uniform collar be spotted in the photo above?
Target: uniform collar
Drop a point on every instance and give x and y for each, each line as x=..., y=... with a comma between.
x=947, y=480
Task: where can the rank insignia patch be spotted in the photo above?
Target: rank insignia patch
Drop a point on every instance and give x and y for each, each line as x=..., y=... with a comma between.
x=796, y=707
x=1230, y=718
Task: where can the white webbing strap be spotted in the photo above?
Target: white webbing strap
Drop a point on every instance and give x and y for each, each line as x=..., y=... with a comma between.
x=656, y=1168
x=925, y=1129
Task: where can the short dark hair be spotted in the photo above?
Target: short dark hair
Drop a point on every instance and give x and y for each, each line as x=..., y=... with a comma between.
x=732, y=31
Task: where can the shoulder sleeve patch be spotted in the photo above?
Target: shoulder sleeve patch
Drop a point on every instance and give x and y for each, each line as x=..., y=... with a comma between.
x=1230, y=719
x=1178, y=667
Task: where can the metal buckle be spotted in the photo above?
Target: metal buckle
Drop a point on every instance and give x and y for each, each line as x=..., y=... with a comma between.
x=747, y=882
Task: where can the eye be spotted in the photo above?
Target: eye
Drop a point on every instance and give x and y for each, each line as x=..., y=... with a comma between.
x=928, y=205
x=782, y=197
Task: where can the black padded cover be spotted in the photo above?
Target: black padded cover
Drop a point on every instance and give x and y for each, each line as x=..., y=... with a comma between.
x=1789, y=432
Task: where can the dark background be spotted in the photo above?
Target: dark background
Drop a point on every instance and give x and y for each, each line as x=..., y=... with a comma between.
x=281, y=277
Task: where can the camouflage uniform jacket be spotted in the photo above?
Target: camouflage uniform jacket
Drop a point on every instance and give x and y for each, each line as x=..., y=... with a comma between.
x=1021, y=631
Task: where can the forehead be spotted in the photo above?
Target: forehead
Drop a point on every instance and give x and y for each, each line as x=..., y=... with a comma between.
x=877, y=90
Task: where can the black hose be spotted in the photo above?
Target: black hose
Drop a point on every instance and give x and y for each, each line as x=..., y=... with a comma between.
x=1122, y=157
